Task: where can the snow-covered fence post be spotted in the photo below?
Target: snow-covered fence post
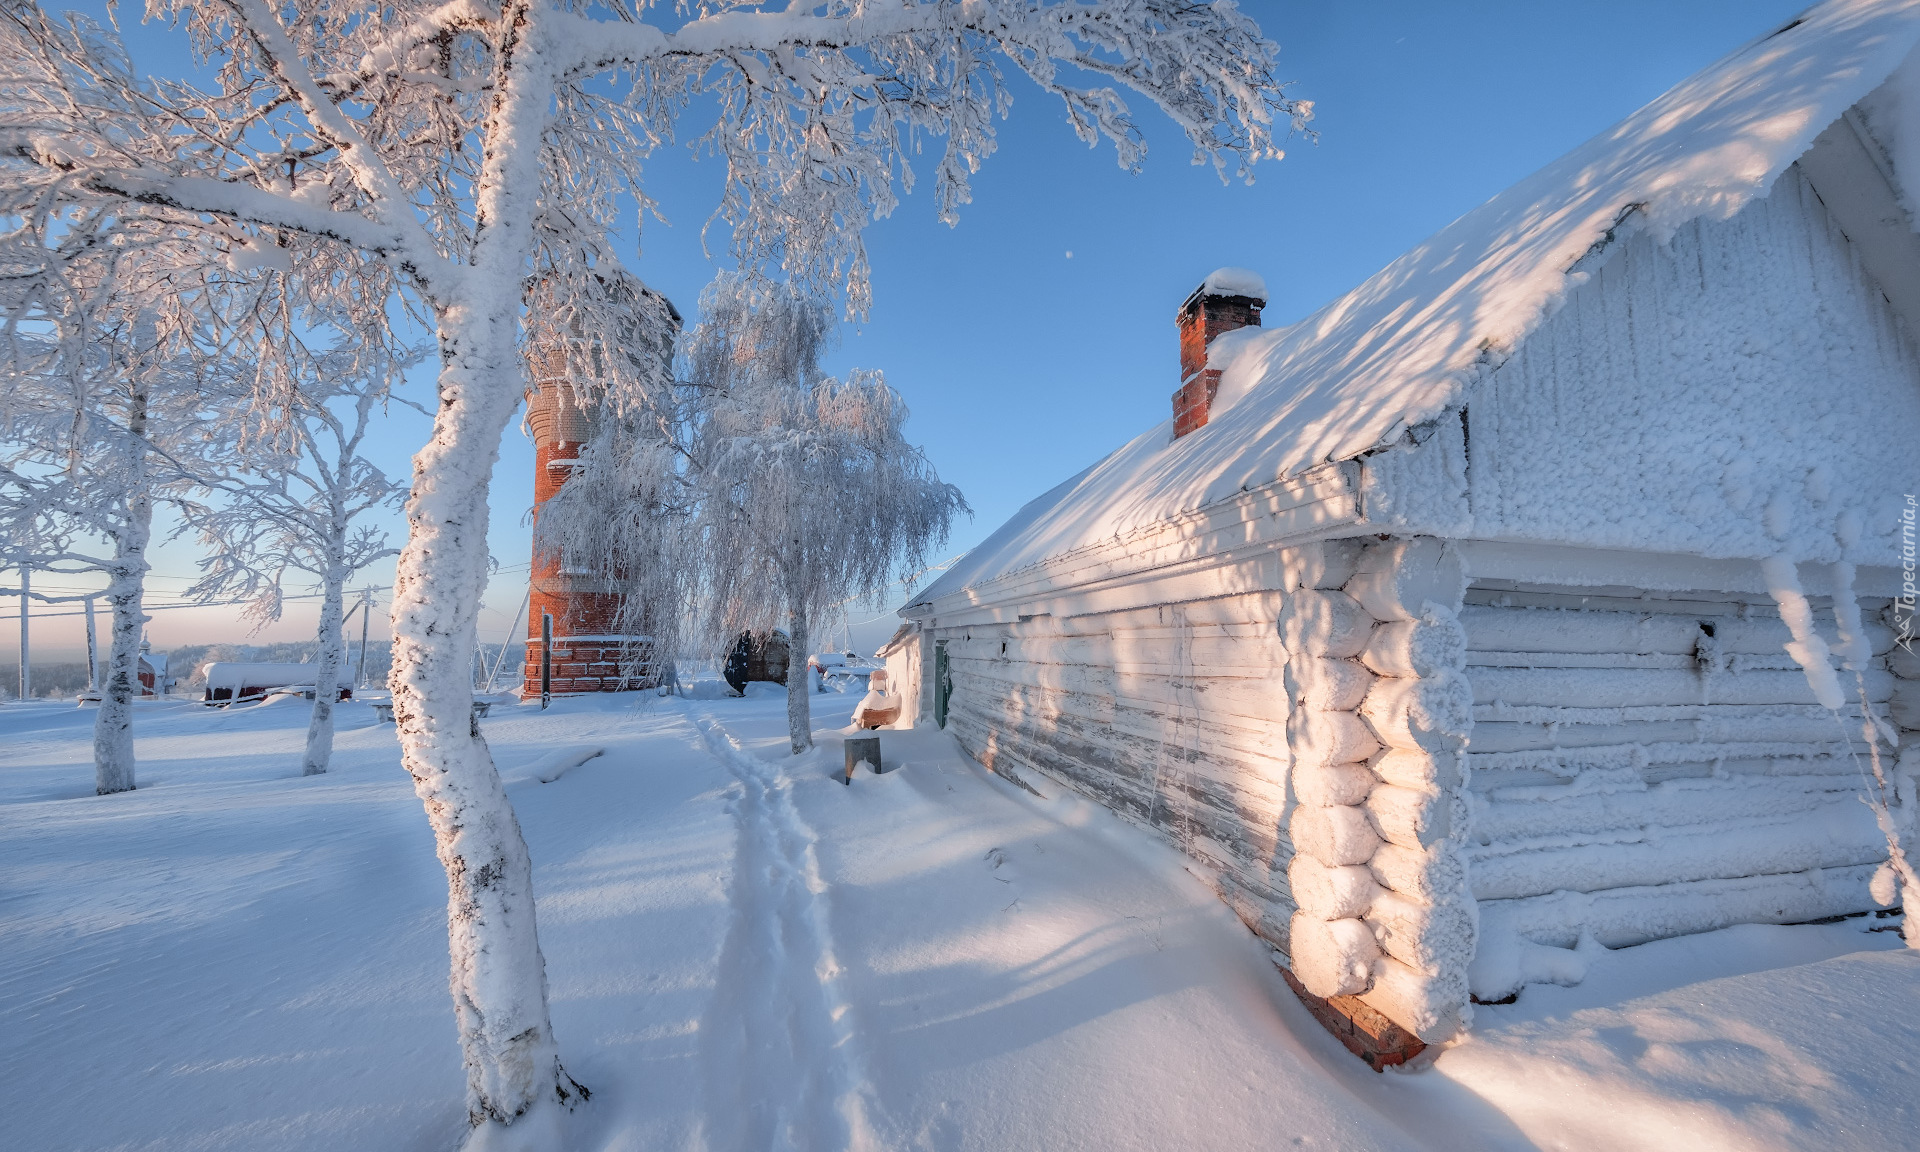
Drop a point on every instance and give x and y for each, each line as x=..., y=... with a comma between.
x=546, y=659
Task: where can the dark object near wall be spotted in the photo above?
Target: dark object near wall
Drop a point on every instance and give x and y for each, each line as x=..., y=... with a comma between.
x=760, y=659
x=863, y=750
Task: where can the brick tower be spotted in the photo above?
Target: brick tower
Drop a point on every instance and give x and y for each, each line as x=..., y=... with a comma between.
x=589, y=653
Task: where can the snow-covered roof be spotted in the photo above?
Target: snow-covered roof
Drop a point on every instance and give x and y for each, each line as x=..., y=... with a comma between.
x=235, y=674
x=1401, y=348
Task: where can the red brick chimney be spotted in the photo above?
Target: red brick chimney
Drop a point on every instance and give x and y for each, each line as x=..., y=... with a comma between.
x=1227, y=299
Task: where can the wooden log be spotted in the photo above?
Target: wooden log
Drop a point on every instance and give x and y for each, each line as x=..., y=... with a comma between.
x=1426, y=647
x=1328, y=624
x=1410, y=817
x=1331, y=893
x=1707, y=605
x=1331, y=685
x=1429, y=1005
x=1324, y=564
x=1505, y=736
x=1423, y=936
x=1396, y=579
x=1332, y=957
x=1831, y=835
x=1419, y=768
x=1675, y=804
x=1248, y=745
x=1429, y=875
x=1648, y=631
x=1316, y=738
x=1333, y=836
x=1630, y=687
x=1333, y=785
x=1566, y=716
x=1433, y=714
x=1262, y=701
x=1626, y=916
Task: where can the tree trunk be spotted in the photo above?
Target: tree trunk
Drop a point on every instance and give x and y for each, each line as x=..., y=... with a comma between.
x=498, y=975
x=799, y=681
x=326, y=677
x=113, y=723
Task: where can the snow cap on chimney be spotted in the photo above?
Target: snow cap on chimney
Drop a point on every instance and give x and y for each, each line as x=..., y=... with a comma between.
x=1228, y=299
x=1233, y=282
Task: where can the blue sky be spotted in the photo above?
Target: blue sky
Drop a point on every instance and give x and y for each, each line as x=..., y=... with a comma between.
x=1038, y=334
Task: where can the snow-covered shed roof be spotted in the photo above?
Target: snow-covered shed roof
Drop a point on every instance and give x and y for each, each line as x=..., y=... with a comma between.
x=1401, y=348
x=237, y=675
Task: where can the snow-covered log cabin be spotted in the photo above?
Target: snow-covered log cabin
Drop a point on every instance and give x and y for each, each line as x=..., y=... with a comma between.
x=1448, y=629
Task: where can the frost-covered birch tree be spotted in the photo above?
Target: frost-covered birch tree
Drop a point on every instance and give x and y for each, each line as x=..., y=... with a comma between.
x=97, y=418
x=474, y=146
x=767, y=494
x=288, y=496
x=808, y=492
x=76, y=497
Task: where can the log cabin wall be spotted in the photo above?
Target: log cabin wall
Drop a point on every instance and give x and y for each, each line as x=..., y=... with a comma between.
x=1649, y=765
x=1326, y=714
x=1173, y=716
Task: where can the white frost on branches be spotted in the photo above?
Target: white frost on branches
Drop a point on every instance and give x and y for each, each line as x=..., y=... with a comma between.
x=771, y=493
x=102, y=411
x=451, y=153
x=287, y=494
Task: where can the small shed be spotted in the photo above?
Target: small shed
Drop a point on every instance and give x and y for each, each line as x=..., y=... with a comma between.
x=1488, y=610
x=152, y=672
x=231, y=682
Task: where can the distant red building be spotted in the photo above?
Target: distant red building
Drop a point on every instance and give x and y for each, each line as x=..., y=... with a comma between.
x=590, y=652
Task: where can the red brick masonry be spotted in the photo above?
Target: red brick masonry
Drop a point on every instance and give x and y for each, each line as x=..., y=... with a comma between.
x=1366, y=1033
x=1201, y=319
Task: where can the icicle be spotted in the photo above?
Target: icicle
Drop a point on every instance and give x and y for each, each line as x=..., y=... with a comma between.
x=1855, y=650
x=1807, y=648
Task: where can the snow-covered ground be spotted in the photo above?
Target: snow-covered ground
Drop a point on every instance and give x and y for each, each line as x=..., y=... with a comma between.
x=746, y=954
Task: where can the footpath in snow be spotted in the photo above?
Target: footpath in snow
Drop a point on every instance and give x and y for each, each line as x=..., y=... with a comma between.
x=745, y=954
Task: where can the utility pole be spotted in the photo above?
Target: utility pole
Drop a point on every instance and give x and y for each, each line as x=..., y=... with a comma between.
x=366, y=610
x=26, y=666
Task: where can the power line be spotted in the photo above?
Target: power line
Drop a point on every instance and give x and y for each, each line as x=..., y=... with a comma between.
x=145, y=607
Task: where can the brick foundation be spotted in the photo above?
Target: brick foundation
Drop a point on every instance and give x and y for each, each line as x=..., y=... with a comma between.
x=600, y=664
x=1364, y=1030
